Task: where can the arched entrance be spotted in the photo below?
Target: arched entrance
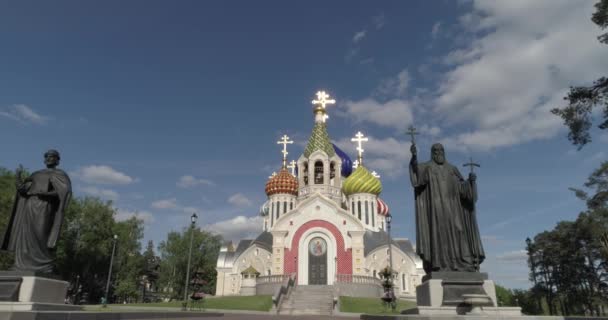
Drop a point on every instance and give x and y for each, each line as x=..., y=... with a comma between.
x=317, y=261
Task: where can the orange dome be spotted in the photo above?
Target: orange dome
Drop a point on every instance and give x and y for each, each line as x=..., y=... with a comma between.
x=283, y=182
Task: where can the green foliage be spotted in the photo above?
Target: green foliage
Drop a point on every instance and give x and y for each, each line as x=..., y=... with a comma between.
x=174, y=259
x=505, y=297
x=577, y=115
x=372, y=305
x=254, y=303
x=85, y=245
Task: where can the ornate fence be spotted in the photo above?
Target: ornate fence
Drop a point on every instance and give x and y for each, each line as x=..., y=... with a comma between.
x=350, y=278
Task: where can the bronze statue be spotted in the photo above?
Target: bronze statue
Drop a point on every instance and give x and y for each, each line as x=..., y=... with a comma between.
x=37, y=215
x=447, y=235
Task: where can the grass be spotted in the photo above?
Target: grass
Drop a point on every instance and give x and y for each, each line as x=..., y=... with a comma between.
x=252, y=303
x=372, y=305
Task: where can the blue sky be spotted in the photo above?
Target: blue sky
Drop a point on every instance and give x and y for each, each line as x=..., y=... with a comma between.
x=172, y=107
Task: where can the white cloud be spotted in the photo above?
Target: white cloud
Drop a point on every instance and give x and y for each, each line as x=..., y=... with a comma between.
x=165, y=204
x=102, y=175
x=101, y=193
x=122, y=215
x=513, y=256
x=387, y=155
x=237, y=228
x=189, y=181
x=396, y=86
x=394, y=113
x=379, y=21
x=359, y=36
x=23, y=113
x=518, y=66
x=435, y=30
x=239, y=200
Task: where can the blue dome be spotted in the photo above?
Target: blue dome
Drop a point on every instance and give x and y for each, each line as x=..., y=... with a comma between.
x=347, y=163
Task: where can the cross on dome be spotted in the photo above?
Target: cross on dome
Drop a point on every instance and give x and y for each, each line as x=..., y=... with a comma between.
x=292, y=166
x=272, y=175
x=375, y=174
x=322, y=99
x=284, y=141
x=359, y=139
x=355, y=164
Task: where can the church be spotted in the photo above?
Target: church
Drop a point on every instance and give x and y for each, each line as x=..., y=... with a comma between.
x=323, y=222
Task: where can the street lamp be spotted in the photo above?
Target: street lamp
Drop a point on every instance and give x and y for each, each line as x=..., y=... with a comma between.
x=389, y=218
x=105, y=299
x=192, y=224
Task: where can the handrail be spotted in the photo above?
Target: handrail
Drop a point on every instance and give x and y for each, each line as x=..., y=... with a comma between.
x=351, y=278
x=289, y=282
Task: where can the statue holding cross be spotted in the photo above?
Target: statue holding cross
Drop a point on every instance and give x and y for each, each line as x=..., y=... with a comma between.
x=447, y=234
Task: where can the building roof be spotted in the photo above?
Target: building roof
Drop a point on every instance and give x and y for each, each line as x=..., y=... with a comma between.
x=374, y=240
x=264, y=240
x=319, y=140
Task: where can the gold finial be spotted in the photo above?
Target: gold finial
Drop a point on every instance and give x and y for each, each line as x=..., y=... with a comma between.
x=320, y=103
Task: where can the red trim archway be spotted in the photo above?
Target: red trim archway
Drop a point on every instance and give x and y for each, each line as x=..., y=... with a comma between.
x=345, y=256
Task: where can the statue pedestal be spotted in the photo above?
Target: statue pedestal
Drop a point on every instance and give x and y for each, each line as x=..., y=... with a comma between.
x=449, y=293
x=24, y=291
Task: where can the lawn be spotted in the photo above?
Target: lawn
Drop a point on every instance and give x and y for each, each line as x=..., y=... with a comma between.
x=255, y=303
x=372, y=305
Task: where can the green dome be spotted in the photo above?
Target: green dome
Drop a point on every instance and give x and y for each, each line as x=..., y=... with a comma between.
x=361, y=181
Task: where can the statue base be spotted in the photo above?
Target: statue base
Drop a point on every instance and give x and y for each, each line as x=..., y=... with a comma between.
x=23, y=291
x=458, y=293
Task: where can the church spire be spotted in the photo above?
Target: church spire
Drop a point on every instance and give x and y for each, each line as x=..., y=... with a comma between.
x=319, y=140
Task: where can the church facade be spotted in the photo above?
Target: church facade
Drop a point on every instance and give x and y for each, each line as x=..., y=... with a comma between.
x=323, y=221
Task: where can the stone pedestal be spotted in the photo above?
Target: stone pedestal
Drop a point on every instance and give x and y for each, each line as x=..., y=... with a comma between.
x=449, y=293
x=23, y=291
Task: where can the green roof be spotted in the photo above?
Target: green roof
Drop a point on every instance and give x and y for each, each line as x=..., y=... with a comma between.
x=361, y=181
x=250, y=270
x=319, y=140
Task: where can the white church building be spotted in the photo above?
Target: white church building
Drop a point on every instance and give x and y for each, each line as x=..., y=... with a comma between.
x=323, y=222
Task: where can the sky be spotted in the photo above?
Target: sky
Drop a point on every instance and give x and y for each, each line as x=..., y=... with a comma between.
x=168, y=108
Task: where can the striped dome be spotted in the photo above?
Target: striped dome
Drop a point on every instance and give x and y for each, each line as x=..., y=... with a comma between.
x=361, y=181
x=382, y=208
x=283, y=182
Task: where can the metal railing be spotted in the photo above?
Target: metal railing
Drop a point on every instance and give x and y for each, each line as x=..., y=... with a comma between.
x=283, y=291
x=350, y=278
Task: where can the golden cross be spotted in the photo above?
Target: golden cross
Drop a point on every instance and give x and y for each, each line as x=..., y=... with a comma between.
x=359, y=138
x=284, y=141
x=322, y=99
x=272, y=175
x=375, y=174
x=355, y=164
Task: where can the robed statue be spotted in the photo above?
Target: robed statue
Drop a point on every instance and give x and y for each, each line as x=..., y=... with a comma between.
x=447, y=235
x=37, y=215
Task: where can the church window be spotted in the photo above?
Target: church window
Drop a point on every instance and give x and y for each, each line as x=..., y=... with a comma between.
x=352, y=207
x=332, y=170
x=284, y=206
x=359, y=209
x=278, y=209
x=272, y=215
x=366, y=213
x=375, y=276
x=291, y=205
x=305, y=173
x=403, y=282
x=318, y=172
x=373, y=215
x=257, y=251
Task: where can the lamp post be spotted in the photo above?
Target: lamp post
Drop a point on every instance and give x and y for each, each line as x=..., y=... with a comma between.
x=192, y=224
x=105, y=298
x=389, y=218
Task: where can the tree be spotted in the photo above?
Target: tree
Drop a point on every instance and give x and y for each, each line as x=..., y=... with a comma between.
x=7, y=198
x=174, y=258
x=505, y=297
x=577, y=115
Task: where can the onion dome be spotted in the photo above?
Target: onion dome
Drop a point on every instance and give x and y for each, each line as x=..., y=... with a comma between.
x=283, y=182
x=382, y=208
x=361, y=181
x=264, y=209
x=347, y=163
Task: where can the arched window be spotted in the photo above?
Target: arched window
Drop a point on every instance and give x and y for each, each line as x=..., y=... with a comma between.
x=373, y=215
x=272, y=215
x=305, y=173
x=319, y=172
x=284, y=206
x=332, y=170
x=352, y=207
x=291, y=205
x=366, y=213
x=359, y=209
x=278, y=209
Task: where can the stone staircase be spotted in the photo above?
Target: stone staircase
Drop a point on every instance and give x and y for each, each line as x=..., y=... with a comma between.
x=312, y=300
